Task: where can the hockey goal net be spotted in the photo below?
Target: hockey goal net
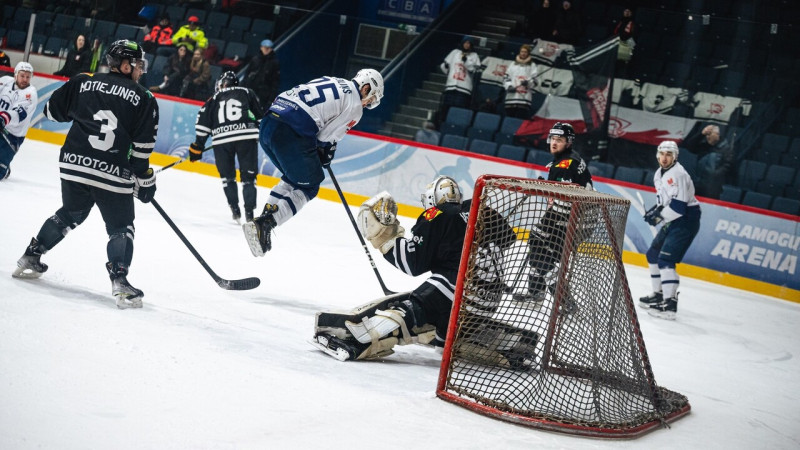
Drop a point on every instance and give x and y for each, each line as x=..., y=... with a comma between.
x=544, y=331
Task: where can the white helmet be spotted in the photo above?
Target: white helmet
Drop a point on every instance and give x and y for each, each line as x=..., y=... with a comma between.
x=23, y=66
x=375, y=81
x=441, y=190
x=668, y=146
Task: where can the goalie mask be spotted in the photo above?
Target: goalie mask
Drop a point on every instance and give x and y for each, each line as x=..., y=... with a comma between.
x=668, y=147
x=375, y=81
x=441, y=190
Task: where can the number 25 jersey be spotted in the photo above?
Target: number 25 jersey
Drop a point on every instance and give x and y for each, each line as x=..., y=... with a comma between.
x=325, y=108
x=113, y=132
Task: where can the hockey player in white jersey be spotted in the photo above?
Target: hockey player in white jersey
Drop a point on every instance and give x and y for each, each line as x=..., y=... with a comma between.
x=679, y=211
x=18, y=101
x=299, y=134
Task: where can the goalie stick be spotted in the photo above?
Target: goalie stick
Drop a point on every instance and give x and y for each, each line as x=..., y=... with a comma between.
x=386, y=291
x=232, y=285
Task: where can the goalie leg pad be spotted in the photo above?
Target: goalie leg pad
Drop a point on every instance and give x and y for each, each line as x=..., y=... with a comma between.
x=384, y=322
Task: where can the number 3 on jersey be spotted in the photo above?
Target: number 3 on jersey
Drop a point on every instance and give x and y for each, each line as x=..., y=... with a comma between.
x=108, y=123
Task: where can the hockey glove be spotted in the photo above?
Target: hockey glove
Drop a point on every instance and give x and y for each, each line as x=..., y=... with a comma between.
x=653, y=215
x=377, y=222
x=326, y=154
x=144, y=187
x=195, y=151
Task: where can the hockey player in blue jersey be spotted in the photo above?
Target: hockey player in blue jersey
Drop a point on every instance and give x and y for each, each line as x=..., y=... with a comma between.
x=679, y=211
x=299, y=134
x=18, y=101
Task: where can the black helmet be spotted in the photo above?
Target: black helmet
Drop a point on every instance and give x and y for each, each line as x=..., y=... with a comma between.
x=225, y=80
x=562, y=129
x=125, y=49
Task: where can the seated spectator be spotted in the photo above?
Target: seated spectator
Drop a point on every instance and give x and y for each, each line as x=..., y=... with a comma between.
x=177, y=69
x=79, y=59
x=264, y=74
x=519, y=81
x=428, y=134
x=541, y=21
x=715, y=159
x=4, y=60
x=197, y=82
x=159, y=36
x=190, y=35
x=568, y=28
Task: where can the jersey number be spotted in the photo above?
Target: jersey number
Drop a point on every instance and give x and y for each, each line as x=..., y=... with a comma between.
x=108, y=123
x=306, y=96
x=229, y=110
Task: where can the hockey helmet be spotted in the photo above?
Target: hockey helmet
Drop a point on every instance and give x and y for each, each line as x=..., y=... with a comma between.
x=562, y=129
x=375, y=81
x=125, y=49
x=668, y=147
x=441, y=190
x=227, y=79
x=23, y=66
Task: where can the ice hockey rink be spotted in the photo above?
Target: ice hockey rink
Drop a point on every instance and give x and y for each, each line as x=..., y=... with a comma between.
x=200, y=367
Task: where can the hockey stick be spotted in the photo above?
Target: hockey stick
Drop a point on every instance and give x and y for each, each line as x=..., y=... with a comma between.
x=386, y=291
x=175, y=163
x=232, y=285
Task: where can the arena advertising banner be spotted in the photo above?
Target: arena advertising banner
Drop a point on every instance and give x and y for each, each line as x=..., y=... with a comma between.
x=734, y=241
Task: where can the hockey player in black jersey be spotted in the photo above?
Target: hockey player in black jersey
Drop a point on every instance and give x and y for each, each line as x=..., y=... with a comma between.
x=230, y=117
x=423, y=315
x=547, y=237
x=105, y=161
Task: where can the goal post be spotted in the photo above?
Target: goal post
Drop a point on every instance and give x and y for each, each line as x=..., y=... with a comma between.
x=553, y=342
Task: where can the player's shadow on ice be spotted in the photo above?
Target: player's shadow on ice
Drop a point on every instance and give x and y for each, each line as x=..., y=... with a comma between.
x=62, y=291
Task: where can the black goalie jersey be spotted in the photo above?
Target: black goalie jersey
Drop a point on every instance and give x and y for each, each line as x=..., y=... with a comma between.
x=231, y=115
x=115, y=121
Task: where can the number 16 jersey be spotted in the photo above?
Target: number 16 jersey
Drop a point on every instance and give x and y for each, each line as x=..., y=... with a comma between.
x=113, y=132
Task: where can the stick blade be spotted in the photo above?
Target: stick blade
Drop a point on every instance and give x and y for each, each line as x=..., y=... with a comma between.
x=244, y=284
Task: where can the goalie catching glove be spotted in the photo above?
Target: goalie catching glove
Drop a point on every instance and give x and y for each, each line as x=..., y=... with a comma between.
x=377, y=222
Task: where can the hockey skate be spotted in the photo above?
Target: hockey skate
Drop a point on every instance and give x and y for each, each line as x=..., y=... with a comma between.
x=29, y=266
x=649, y=300
x=257, y=231
x=667, y=309
x=236, y=214
x=341, y=349
x=126, y=295
x=248, y=215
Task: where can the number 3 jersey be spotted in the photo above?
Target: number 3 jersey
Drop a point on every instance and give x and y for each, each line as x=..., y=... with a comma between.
x=113, y=132
x=16, y=108
x=229, y=116
x=325, y=108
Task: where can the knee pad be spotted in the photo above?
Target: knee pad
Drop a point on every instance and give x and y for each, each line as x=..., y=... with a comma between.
x=56, y=227
x=120, y=246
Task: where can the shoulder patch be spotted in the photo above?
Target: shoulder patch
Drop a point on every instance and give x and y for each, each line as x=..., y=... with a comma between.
x=431, y=213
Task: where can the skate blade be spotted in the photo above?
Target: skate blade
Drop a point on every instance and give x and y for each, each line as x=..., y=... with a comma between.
x=125, y=302
x=26, y=274
x=251, y=235
x=339, y=354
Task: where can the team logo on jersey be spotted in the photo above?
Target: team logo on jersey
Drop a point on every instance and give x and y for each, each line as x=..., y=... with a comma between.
x=432, y=213
x=670, y=181
x=564, y=164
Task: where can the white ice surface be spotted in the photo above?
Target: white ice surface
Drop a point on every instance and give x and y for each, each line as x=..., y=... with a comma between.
x=200, y=367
